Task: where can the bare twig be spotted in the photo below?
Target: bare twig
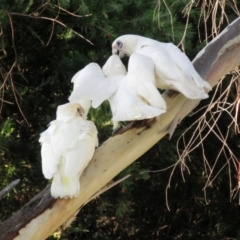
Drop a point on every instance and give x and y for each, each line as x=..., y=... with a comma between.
x=8, y=188
x=206, y=124
x=52, y=20
x=10, y=75
x=14, y=68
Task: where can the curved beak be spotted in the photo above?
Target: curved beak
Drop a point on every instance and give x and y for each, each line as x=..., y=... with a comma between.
x=121, y=54
x=115, y=50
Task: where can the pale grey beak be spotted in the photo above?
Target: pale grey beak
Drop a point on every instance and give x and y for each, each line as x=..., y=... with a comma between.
x=114, y=51
x=121, y=54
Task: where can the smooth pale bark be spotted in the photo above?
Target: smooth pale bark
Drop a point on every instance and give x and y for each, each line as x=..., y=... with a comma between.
x=213, y=62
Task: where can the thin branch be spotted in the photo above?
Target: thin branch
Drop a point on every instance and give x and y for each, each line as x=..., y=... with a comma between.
x=52, y=20
x=8, y=188
x=10, y=75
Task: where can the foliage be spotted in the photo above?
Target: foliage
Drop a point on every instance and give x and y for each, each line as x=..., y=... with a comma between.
x=42, y=45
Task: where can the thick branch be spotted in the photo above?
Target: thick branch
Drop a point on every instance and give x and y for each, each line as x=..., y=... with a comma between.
x=42, y=201
x=217, y=58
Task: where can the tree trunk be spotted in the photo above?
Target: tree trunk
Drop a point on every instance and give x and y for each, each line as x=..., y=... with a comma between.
x=42, y=215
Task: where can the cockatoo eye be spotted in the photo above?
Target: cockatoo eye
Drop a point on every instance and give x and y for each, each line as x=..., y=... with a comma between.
x=119, y=44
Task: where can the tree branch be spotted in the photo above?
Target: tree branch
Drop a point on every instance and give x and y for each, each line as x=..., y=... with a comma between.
x=213, y=62
x=217, y=59
x=8, y=188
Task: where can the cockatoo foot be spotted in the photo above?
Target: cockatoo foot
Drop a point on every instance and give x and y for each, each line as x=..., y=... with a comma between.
x=171, y=93
x=145, y=124
x=116, y=131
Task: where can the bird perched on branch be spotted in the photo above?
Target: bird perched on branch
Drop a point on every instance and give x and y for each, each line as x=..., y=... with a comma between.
x=132, y=95
x=67, y=147
x=173, y=69
x=136, y=97
x=90, y=87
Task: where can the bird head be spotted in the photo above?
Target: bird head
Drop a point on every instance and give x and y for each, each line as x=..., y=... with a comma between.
x=117, y=48
x=122, y=45
x=70, y=110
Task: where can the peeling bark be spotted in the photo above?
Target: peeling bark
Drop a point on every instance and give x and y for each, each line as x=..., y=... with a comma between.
x=42, y=215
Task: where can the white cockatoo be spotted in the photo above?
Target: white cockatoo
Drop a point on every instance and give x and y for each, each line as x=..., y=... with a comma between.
x=132, y=95
x=136, y=97
x=173, y=69
x=67, y=147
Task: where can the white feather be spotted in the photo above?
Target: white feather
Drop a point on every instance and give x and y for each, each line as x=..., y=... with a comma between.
x=173, y=69
x=114, y=67
x=90, y=84
x=67, y=147
x=141, y=77
x=136, y=91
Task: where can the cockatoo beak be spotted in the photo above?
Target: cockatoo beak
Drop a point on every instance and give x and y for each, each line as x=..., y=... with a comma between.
x=114, y=51
x=117, y=51
x=121, y=54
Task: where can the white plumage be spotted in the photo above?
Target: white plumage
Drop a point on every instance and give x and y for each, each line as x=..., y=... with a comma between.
x=136, y=97
x=90, y=87
x=173, y=69
x=132, y=95
x=67, y=147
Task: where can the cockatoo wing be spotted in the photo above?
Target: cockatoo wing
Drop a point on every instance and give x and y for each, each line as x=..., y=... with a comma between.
x=83, y=149
x=53, y=145
x=169, y=74
x=50, y=158
x=141, y=80
x=183, y=62
x=67, y=147
x=76, y=159
x=189, y=92
x=135, y=90
x=165, y=67
x=126, y=106
x=91, y=84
